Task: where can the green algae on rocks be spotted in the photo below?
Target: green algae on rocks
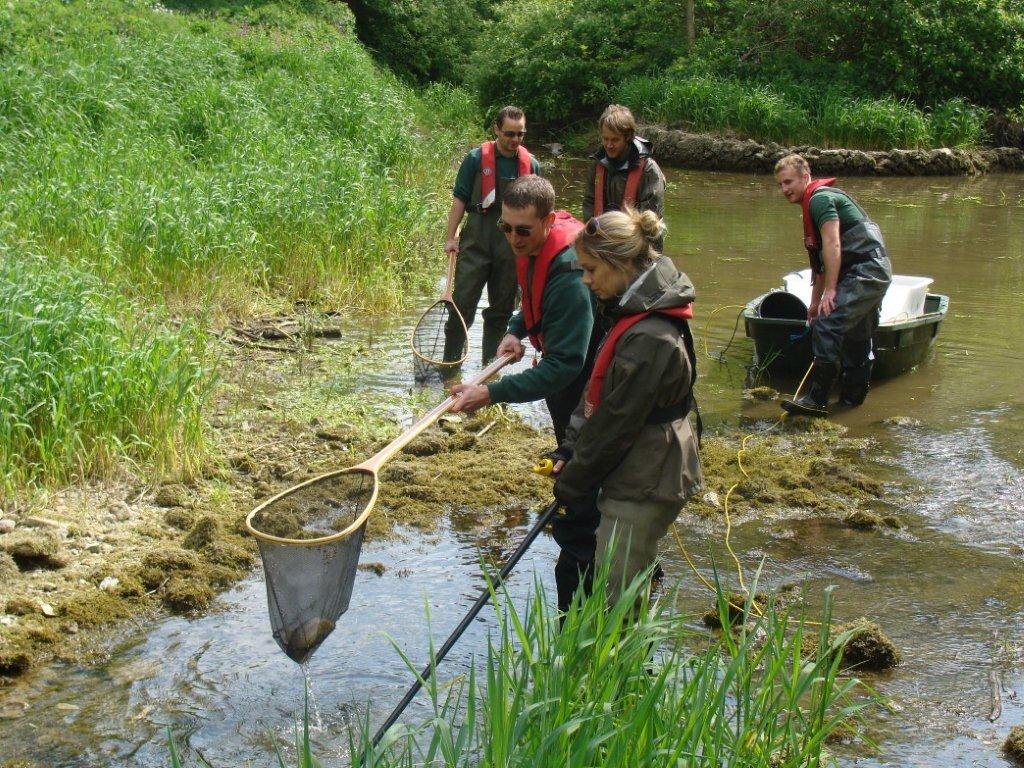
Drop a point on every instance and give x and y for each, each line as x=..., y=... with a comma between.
x=1014, y=744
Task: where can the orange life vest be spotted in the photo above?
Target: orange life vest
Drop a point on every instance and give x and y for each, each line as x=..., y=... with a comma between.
x=563, y=234
x=607, y=351
x=812, y=240
x=628, y=195
x=489, y=172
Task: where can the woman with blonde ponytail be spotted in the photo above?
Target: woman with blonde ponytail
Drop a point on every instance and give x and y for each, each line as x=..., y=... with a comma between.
x=631, y=438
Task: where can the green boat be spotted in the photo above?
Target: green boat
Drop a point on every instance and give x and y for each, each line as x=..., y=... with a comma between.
x=777, y=323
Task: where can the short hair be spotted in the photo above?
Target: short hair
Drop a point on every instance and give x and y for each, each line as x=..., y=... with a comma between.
x=508, y=113
x=531, y=190
x=622, y=238
x=619, y=119
x=794, y=161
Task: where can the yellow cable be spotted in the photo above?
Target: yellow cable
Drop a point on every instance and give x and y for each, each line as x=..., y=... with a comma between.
x=707, y=326
x=725, y=505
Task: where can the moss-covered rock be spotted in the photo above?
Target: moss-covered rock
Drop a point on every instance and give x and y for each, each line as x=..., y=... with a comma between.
x=206, y=530
x=868, y=647
x=180, y=518
x=34, y=550
x=187, y=595
x=737, y=602
x=21, y=606
x=8, y=568
x=865, y=520
x=169, y=559
x=1014, y=744
x=228, y=554
x=174, y=495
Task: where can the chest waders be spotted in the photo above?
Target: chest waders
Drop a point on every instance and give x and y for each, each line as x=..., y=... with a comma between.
x=485, y=259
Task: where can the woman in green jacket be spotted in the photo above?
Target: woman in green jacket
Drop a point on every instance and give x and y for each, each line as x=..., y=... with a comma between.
x=631, y=437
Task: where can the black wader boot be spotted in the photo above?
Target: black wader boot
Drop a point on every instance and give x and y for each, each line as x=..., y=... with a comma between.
x=814, y=400
x=854, y=384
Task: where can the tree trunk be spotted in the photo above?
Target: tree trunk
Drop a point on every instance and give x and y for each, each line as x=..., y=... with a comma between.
x=690, y=26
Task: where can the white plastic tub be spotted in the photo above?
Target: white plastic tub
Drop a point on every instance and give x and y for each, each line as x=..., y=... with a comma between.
x=904, y=299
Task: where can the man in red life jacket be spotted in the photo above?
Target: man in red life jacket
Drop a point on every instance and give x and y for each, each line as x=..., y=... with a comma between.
x=485, y=257
x=623, y=172
x=851, y=273
x=558, y=318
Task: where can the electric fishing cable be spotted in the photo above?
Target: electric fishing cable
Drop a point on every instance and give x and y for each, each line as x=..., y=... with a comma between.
x=707, y=329
x=725, y=506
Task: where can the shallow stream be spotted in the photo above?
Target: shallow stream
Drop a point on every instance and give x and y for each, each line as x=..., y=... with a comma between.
x=949, y=589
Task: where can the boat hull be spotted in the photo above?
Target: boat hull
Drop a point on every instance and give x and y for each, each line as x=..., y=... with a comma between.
x=783, y=347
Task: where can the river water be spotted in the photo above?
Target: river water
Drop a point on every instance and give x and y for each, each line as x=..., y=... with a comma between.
x=949, y=589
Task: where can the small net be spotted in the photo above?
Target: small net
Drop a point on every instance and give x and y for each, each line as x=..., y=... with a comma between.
x=310, y=556
x=440, y=341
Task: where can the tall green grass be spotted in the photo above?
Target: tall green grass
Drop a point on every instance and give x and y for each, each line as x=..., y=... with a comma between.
x=215, y=151
x=88, y=381
x=800, y=114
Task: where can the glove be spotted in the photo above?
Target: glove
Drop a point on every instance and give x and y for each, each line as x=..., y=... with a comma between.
x=561, y=453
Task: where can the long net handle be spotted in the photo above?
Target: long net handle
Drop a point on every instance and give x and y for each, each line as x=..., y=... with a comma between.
x=374, y=463
x=481, y=601
x=449, y=278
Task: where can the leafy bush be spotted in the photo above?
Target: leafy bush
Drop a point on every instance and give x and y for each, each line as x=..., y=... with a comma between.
x=561, y=61
x=89, y=381
x=421, y=40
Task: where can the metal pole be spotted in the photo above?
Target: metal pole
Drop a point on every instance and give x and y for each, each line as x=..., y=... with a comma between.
x=453, y=638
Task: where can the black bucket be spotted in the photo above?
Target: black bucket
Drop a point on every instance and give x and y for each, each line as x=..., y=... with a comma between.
x=779, y=305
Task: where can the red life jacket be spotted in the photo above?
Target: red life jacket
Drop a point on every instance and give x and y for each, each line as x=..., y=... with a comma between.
x=489, y=171
x=563, y=234
x=628, y=195
x=607, y=352
x=812, y=240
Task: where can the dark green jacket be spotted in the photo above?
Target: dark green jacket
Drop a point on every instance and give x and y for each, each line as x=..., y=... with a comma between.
x=649, y=197
x=616, y=449
x=567, y=319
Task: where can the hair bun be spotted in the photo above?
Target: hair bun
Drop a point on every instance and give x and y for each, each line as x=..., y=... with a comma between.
x=650, y=225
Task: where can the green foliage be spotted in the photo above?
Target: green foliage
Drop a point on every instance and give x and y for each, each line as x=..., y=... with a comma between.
x=214, y=151
x=88, y=381
x=421, y=40
x=926, y=50
x=560, y=61
x=618, y=686
x=794, y=114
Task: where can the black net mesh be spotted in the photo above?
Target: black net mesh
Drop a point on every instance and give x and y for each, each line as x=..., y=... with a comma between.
x=439, y=340
x=309, y=586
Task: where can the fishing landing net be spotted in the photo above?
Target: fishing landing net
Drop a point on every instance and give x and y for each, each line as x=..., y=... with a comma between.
x=440, y=340
x=310, y=537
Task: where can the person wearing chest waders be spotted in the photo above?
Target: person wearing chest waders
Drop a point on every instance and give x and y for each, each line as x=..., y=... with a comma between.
x=851, y=272
x=484, y=255
x=623, y=172
x=558, y=318
x=631, y=439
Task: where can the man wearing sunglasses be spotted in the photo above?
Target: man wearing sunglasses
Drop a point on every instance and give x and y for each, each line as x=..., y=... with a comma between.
x=558, y=316
x=485, y=258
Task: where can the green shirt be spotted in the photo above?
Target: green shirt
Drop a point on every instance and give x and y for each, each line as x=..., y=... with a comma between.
x=567, y=319
x=828, y=205
x=507, y=167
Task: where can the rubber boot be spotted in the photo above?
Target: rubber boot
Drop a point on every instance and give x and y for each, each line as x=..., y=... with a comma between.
x=492, y=336
x=814, y=401
x=854, y=385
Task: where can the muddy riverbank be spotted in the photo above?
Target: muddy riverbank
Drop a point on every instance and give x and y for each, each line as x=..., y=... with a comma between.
x=707, y=152
x=79, y=561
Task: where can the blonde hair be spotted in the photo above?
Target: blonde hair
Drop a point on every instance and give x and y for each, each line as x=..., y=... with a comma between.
x=622, y=239
x=794, y=161
x=619, y=119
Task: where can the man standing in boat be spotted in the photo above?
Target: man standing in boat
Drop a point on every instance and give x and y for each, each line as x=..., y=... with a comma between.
x=485, y=257
x=623, y=172
x=851, y=272
x=558, y=318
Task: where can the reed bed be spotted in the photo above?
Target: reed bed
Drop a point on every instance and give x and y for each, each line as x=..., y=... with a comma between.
x=89, y=382
x=798, y=114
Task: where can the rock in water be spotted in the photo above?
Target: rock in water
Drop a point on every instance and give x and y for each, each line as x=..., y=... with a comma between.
x=300, y=642
x=1014, y=744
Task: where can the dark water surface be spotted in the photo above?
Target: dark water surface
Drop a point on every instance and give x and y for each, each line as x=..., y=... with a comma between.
x=949, y=589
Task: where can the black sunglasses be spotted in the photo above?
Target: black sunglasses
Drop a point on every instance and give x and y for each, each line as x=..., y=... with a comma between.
x=513, y=134
x=521, y=229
